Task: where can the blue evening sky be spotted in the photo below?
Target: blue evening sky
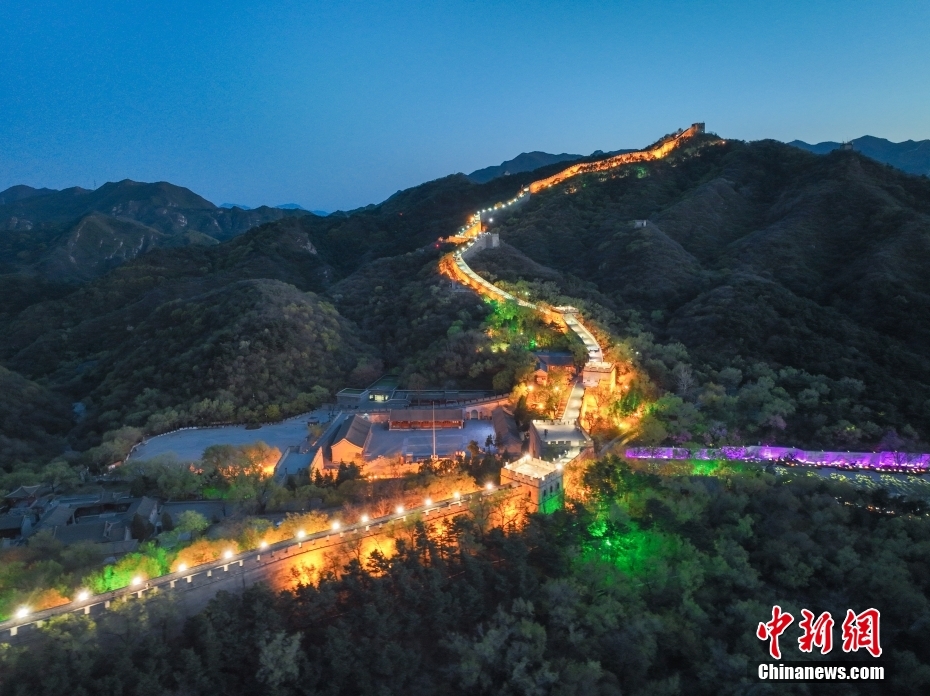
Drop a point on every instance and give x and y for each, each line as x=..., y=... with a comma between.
x=339, y=104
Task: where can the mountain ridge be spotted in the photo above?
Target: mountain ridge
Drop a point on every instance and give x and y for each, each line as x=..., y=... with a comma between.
x=21, y=191
x=911, y=156
x=129, y=217
x=745, y=264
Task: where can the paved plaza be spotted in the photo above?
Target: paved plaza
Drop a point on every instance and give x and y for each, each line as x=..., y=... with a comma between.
x=188, y=445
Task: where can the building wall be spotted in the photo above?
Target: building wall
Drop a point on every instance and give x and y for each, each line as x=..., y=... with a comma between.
x=351, y=400
x=660, y=150
x=485, y=241
x=536, y=443
x=426, y=425
x=345, y=451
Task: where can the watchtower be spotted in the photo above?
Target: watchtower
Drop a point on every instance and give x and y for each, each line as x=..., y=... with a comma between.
x=538, y=480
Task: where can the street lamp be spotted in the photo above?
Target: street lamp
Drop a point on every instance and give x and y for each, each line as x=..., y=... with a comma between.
x=22, y=612
x=137, y=580
x=83, y=596
x=400, y=509
x=428, y=501
x=335, y=526
x=301, y=534
x=364, y=518
x=489, y=486
x=227, y=554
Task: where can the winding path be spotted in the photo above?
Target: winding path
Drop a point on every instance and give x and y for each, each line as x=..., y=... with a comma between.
x=475, y=238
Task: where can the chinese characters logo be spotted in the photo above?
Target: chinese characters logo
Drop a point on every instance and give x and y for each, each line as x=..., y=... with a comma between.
x=859, y=631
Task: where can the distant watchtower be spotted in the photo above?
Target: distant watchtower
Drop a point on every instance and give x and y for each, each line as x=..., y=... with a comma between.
x=846, y=146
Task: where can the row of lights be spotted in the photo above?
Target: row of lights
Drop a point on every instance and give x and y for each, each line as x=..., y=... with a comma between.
x=477, y=215
x=504, y=205
x=84, y=595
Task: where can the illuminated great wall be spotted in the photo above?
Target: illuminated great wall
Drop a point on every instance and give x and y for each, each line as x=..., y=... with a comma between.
x=281, y=565
x=474, y=238
x=662, y=149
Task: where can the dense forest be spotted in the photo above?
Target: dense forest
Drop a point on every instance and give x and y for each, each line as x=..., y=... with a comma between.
x=267, y=324
x=770, y=295
x=651, y=585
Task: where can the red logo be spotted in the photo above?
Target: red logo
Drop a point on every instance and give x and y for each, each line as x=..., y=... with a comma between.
x=859, y=631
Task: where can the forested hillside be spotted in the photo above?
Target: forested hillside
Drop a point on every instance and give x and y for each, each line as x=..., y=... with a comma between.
x=911, y=156
x=245, y=330
x=654, y=585
x=77, y=234
x=771, y=295
x=34, y=421
x=800, y=276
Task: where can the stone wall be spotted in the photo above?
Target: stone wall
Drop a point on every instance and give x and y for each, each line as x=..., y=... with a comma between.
x=661, y=150
x=281, y=566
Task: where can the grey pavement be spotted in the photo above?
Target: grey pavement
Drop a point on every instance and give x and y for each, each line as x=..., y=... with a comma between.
x=188, y=445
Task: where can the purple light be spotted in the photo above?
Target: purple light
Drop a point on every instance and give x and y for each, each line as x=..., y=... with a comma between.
x=904, y=461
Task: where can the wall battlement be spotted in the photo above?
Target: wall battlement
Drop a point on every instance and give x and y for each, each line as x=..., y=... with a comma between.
x=193, y=588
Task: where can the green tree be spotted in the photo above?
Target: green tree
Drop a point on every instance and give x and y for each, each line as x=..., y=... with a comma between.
x=191, y=521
